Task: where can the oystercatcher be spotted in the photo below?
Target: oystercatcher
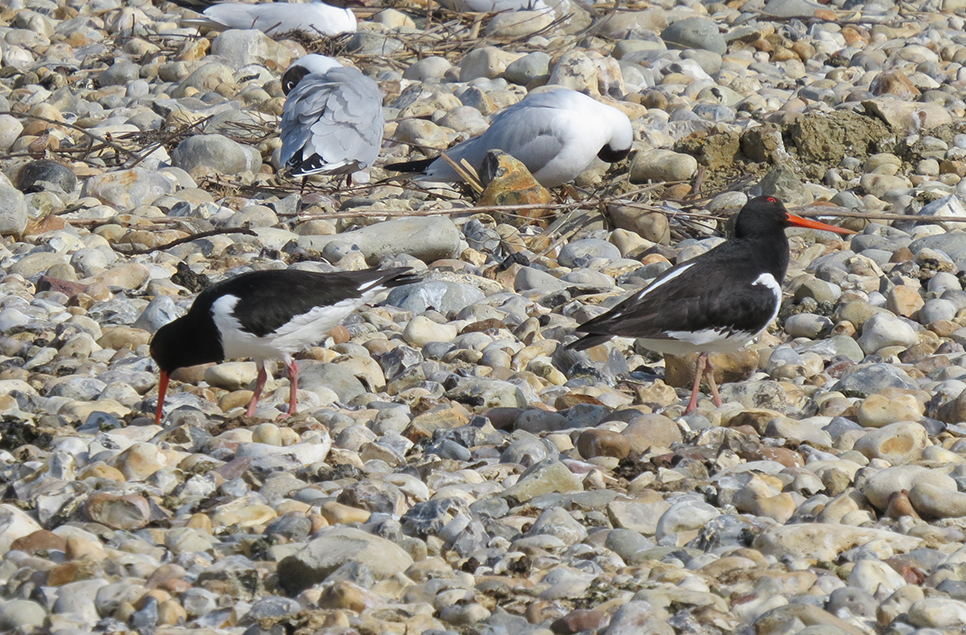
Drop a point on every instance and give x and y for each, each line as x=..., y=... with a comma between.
x=265, y=315
x=332, y=122
x=555, y=133
x=716, y=302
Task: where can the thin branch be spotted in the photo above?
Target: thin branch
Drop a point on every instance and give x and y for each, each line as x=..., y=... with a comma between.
x=181, y=241
x=146, y=152
x=465, y=171
x=83, y=131
x=845, y=212
x=478, y=209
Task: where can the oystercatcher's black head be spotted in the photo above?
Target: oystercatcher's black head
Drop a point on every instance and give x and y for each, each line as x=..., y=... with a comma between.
x=178, y=344
x=766, y=216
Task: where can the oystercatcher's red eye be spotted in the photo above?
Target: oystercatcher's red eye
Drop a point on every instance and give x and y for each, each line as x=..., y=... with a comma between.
x=772, y=199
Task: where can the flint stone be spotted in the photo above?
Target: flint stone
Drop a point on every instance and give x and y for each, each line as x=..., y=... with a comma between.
x=335, y=547
x=425, y=238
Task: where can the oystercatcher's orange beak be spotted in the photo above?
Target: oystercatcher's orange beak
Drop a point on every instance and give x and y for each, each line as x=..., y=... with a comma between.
x=798, y=221
x=162, y=388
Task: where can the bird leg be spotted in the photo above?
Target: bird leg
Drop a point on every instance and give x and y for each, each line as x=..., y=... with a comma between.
x=705, y=369
x=293, y=380
x=259, y=386
x=709, y=373
x=695, y=388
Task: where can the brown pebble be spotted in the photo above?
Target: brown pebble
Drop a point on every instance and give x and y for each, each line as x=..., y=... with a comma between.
x=347, y=595
x=593, y=443
x=171, y=613
x=340, y=334
x=200, y=521
x=903, y=254
x=176, y=587
x=788, y=458
x=318, y=522
x=163, y=574
x=158, y=594
x=900, y=506
x=77, y=548
x=39, y=541
x=579, y=620
x=650, y=430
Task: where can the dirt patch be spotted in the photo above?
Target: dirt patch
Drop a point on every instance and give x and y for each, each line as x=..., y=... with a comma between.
x=720, y=153
x=828, y=138
x=716, y=151
x=916, y=152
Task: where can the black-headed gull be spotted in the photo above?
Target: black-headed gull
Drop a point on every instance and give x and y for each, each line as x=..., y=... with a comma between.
x=274, y=18
x=493, y=6
x=332, y=122
x=555, y=133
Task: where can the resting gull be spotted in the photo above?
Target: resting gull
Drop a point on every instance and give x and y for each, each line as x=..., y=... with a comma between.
x=332, y=122
x=555, y=133
x=273, y=18
x=493, y=6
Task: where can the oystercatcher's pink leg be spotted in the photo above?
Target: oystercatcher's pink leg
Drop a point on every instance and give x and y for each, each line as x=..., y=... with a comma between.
x=698, y=372
x=709, y=372
x=293, y=388
x=259, y=385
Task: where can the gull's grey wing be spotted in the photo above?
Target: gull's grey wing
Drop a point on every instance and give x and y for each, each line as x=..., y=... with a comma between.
x=234, y=15
x=332, y=123
x=533, y=133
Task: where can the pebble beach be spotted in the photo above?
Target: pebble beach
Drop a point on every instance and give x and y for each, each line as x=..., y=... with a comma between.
x=453, y=469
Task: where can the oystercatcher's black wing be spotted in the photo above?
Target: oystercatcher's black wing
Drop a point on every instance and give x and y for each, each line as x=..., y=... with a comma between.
x=270, y=299
x=715, y=291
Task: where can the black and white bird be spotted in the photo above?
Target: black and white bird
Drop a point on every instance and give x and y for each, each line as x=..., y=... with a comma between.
x=273, y=18
x=555, y=133
x=716, y=302
x=265, y=315
x=332, y=122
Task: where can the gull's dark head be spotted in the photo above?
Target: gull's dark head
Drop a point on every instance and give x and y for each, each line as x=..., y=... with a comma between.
x=312, y=64
x=621, y=137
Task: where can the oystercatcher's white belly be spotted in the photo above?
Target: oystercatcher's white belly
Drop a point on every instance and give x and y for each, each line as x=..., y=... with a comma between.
x=704, y=341
x=299, y=333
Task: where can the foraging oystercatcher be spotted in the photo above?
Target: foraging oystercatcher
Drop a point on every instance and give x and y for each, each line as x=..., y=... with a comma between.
x=716, y=302
x=332, y=122
x=555, y=133
x=265, y=315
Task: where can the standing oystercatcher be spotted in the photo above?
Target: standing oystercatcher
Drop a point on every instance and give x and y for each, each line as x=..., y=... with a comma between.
x=555, y=133
x=716, y=302
x=265, y=315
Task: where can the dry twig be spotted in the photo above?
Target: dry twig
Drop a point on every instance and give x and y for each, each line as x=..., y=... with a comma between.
x=181, y=241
